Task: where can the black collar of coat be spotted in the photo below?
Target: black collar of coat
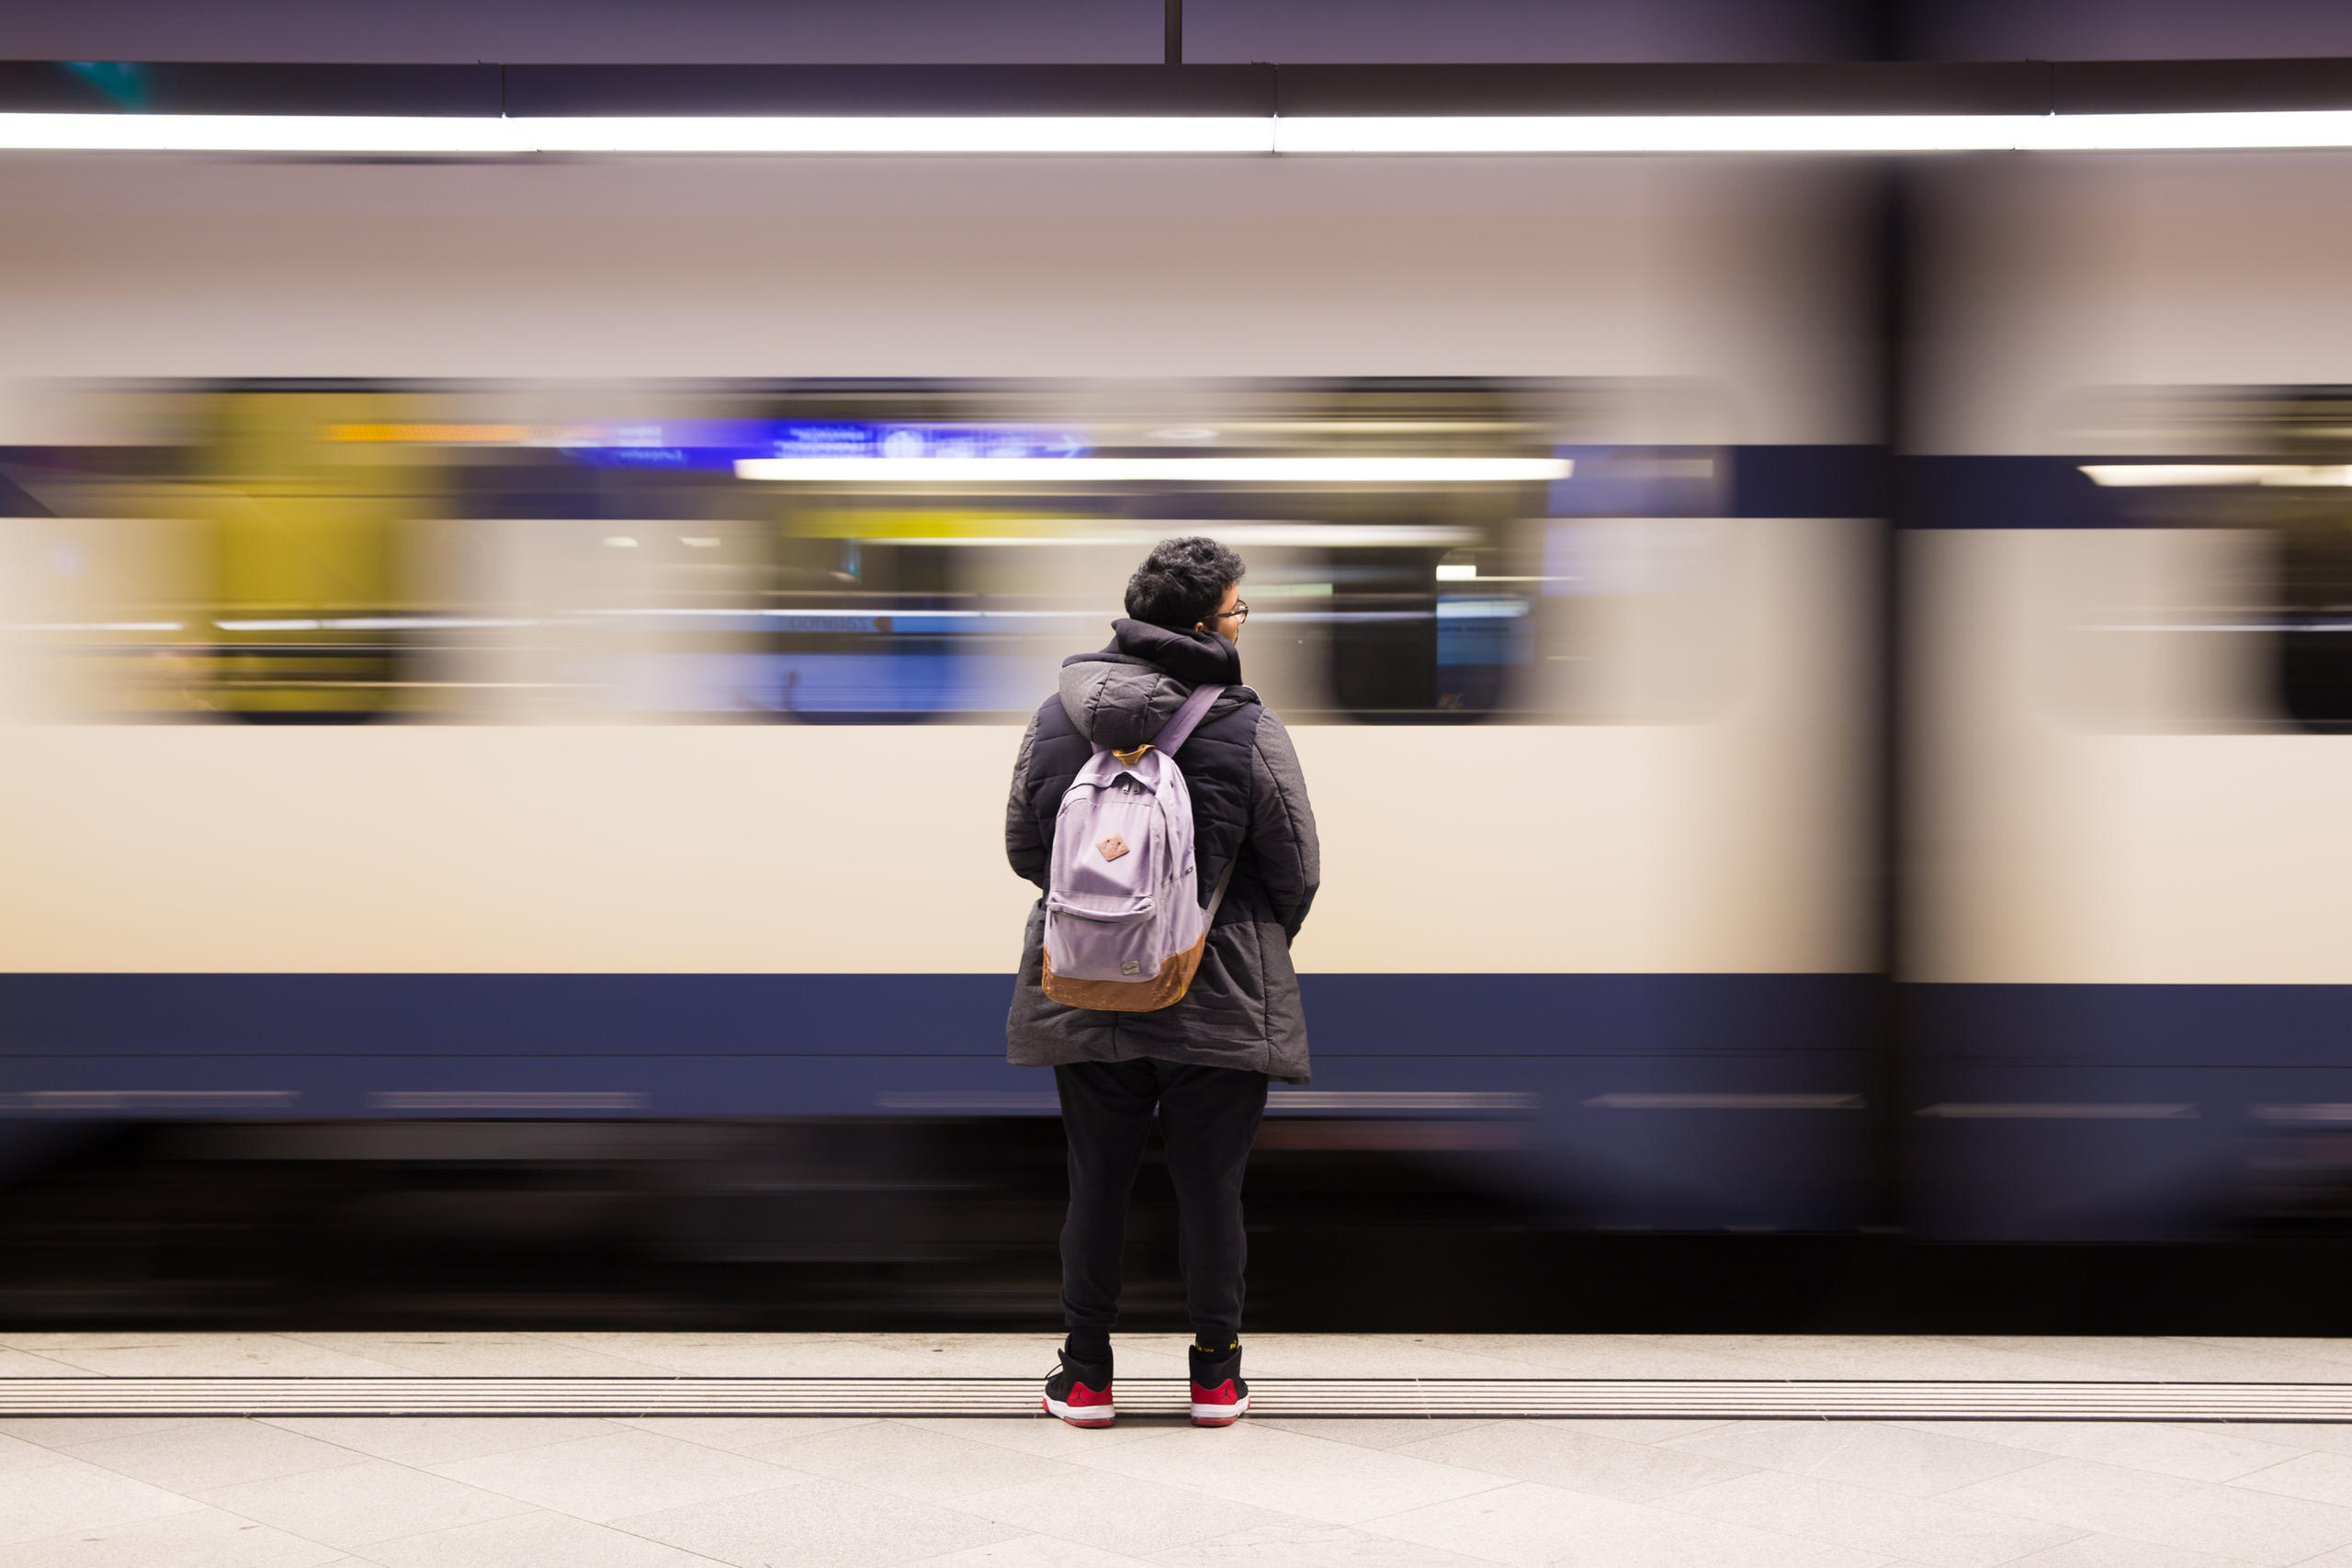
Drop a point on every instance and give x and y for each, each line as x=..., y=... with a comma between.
x=1195, y=657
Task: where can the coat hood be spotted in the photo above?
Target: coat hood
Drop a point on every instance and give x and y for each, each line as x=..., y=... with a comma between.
x=1121, y=696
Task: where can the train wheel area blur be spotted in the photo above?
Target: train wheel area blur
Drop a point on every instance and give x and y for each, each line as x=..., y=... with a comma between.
x=917, y=1225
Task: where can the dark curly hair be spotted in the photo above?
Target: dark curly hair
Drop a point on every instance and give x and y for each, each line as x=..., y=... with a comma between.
x=1183, y=581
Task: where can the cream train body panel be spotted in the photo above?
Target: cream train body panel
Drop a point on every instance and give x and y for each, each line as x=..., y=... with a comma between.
x=2100, y=805
x=1717, y=842
x=137, y=267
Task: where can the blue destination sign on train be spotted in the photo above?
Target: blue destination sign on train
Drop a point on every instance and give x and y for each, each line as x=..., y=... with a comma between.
x=721, y=443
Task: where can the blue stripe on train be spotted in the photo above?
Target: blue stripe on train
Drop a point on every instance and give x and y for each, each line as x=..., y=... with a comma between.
x=479, y=1017
x=1692, y=1100
x=2126, y=1112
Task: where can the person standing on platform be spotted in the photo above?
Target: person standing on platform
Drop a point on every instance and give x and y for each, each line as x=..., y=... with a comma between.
x=1207, y=1012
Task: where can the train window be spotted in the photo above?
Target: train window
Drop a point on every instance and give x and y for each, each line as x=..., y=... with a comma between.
x=856, y=552
x=2300, y=439
x=2315, y=616
x=2259, y=475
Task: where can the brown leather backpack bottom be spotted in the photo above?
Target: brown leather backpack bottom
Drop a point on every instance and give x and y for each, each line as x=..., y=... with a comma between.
x=1164, y=989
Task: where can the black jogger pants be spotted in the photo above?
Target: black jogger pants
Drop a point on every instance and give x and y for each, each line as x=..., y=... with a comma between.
x=1208, y=1119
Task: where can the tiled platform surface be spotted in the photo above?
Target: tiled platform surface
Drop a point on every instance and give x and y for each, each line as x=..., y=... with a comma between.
x=588, y=1493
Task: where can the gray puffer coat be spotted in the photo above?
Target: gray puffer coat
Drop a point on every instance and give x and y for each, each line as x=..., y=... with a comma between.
x=1249, y=811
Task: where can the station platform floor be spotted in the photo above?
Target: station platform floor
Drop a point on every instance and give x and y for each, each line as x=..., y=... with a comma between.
x=585, y=1450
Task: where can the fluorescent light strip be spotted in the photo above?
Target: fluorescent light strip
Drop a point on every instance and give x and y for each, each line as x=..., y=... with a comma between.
x=1182, y=470
x=1011, y=133
x=2149, y=476
x=1301, y=535
x=1404, y=134
x=1165, y=134
x=686, y=134
x=254, y=133
x=1814, y=133
x=2164, y=132
x=836, y=613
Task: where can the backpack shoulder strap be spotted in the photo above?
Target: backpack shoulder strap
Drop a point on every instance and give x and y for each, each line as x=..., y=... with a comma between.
x=1174, y=733
x=1180, y=727
x=1223, y=881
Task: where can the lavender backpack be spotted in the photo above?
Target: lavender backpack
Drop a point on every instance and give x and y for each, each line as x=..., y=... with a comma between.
x=1124, y=924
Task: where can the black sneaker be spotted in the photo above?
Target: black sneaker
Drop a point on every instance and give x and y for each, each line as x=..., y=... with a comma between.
x=1080, y=1393
x=1220, y=1396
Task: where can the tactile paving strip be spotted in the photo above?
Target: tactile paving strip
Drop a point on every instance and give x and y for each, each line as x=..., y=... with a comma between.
x=1669, y=1398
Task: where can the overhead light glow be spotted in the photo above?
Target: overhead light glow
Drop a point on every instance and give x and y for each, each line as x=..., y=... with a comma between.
x=1177, y=470
x=1407, y=134
x=2130, y=476
x=1410, y=134
x=418, y=134
x=2165, y=132
x=328, y=133
x=1059, y=135
x=811, y=134
x=1263, y=536
x=415, y=623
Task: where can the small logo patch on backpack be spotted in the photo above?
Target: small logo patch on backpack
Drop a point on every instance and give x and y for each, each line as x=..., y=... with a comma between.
x=1113, y=847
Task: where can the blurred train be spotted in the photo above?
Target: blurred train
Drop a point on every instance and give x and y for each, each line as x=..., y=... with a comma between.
x=478, y=635
x=552, y=752
x=423, y=710
x=2126, y=961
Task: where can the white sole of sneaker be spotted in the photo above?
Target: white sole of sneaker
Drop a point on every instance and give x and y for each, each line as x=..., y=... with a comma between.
x=1220, y=1415
x=1080, y=1415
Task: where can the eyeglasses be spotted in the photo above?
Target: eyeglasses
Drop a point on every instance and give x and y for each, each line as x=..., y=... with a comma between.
x=1240, y=612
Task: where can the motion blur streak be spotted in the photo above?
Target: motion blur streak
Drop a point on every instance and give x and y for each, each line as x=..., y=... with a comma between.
x=2144, y=475
x=1177, y=470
